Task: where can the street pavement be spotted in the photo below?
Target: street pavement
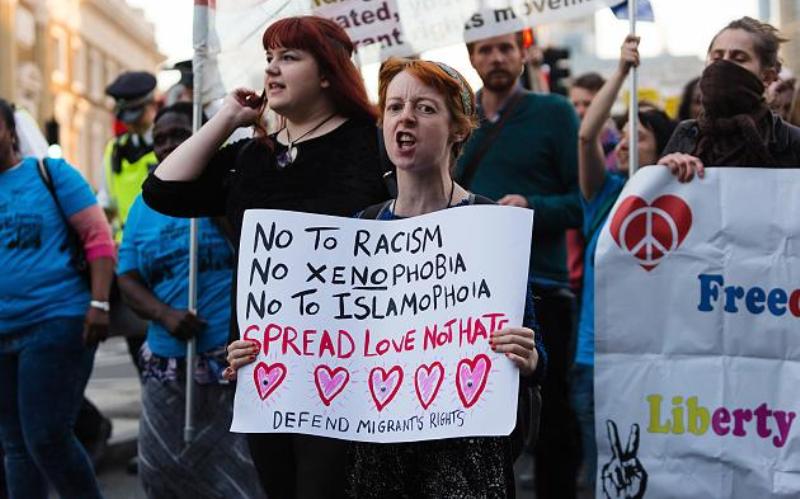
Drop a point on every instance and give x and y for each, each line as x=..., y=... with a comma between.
x=114, y=388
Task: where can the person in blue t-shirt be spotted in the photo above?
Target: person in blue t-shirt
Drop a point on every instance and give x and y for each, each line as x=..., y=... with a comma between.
x=600, y=189
x=154, y=280
x=51, y=316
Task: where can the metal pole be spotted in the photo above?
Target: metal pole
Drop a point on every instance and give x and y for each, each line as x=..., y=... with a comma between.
x=200, y=38
x=633, y=117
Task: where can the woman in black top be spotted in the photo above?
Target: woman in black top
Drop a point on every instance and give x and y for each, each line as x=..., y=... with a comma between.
x=735, y=126
x=323, y=160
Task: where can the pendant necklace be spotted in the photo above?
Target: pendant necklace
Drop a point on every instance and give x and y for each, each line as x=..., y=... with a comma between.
x=288, y=156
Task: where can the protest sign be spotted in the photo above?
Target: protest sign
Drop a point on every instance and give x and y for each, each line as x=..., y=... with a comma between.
x=698, y=336
x=379, y=330
x=378, y=28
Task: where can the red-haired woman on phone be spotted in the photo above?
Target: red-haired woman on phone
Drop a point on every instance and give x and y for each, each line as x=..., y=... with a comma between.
x=323, y=160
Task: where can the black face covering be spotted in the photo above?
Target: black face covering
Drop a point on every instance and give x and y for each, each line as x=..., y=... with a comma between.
x=735, y=124
x=728, y=90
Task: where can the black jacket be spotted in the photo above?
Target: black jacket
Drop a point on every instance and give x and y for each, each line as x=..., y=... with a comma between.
x=784, y=143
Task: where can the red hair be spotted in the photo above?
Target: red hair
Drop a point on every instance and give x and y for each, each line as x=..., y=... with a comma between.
x=457, y=94
x=330, y=46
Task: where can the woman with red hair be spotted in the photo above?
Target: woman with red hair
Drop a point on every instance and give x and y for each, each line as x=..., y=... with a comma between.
x=323, y=160
x=428, y=114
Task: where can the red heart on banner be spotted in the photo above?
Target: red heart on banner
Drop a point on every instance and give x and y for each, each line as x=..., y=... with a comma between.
x=650, y=232
x=268, y=378
x=384, y=385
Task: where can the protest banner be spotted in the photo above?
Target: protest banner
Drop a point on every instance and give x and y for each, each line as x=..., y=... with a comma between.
x=698, y=336
x=378, y=28
x=379, y=330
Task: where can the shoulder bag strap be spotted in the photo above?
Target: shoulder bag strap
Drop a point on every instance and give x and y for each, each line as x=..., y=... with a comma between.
x=465, y=180
x=44, y=173
x=372, y=212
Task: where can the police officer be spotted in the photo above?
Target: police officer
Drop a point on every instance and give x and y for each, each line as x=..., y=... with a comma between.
x=130, y=157
x=184, y=89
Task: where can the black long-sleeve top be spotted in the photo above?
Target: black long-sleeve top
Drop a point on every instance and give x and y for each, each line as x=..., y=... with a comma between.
x=335, y=174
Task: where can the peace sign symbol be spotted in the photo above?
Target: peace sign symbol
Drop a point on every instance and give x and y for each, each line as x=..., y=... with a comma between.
x=649, y=249
x=649, y=232
x=623, y=477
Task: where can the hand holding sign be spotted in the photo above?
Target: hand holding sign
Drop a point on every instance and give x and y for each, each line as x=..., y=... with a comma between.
x=683, y=166
x=517, y=343
x=240, y=353
x=624, y=477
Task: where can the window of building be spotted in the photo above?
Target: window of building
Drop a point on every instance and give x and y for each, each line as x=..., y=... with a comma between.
x=96, y=80
x=60, y=54
x=78, y=65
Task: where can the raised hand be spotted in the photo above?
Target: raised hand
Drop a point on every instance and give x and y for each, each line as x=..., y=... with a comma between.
x=244, y=106
x=623, y=477
x=629, y=54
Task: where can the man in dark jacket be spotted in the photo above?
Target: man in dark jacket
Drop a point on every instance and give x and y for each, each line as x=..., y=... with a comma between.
x=524, y=154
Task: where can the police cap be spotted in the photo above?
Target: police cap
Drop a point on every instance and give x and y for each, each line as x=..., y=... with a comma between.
x=132, y=90
x=187, y=76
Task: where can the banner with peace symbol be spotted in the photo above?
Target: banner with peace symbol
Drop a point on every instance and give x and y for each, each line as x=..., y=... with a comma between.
x=697, y=336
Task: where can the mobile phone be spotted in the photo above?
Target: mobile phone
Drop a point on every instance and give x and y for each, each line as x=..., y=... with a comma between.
x=256, y=102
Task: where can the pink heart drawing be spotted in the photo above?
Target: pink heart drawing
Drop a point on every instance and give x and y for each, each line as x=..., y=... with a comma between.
x=383, y=385
x=330, y=382
x=471, y=377
x=268, y=378
x=427, y=381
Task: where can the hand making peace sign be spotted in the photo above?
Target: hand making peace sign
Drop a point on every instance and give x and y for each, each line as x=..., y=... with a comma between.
x=624, y=477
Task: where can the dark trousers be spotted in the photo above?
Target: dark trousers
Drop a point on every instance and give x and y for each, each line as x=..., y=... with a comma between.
x=300, y=466
x=43, y=372
x=3, y=492
x=557, y=451
x=88, y=424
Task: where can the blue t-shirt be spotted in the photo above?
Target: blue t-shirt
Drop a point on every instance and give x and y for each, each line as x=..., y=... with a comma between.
x=157, y=247
x=595, y=213
x=37, y=281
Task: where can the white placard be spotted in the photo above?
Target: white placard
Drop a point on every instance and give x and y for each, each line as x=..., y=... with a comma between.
x=378, y=330
x=698, y=336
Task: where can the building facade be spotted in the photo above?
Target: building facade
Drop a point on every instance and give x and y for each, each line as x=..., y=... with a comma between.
x=789, y=15
x=62, y=54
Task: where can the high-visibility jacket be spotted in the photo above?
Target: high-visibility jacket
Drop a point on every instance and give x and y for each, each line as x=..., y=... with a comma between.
x=127, y=163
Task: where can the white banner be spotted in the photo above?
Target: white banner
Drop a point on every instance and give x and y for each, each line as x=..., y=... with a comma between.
x=378, y=330
x=698, y=337
x=379, y=28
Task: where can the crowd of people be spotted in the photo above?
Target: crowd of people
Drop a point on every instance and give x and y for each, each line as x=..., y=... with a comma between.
x=430, y=144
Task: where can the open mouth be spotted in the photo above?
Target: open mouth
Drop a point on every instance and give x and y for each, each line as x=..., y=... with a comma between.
x=405, y=140
x=275, y=86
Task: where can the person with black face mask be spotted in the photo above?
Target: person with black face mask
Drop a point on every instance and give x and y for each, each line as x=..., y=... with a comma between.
x=736, y=127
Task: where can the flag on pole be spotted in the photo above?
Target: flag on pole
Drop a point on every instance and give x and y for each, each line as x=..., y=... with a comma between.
x=644, y=11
